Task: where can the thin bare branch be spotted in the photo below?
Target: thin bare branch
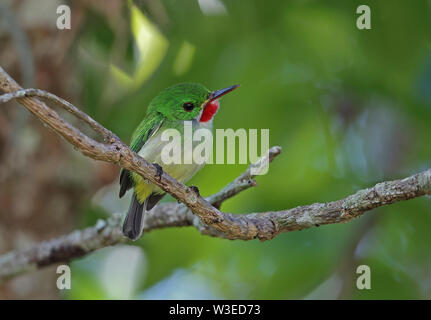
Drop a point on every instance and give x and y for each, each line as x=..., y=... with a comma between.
x=119, y=153
x=199, y=212
x=108, y=232
x=107, y=134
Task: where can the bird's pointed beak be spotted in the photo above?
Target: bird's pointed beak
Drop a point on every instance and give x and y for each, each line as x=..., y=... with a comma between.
x=219, y=93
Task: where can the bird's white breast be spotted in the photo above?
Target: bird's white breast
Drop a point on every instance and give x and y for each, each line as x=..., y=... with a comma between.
x=152, y=150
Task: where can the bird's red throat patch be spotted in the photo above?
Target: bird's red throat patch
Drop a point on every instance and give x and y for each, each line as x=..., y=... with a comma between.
x=209, y=111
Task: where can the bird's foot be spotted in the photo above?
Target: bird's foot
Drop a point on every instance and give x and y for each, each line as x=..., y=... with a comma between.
x=195, y=190
x=159, y=171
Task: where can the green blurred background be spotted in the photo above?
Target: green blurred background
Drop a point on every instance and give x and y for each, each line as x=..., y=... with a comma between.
x=349, y=107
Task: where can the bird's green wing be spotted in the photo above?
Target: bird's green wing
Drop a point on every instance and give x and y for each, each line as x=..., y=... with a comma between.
x=147, y=128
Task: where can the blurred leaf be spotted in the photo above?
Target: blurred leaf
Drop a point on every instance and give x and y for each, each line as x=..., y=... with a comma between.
x=151, y=47
x=184, y=58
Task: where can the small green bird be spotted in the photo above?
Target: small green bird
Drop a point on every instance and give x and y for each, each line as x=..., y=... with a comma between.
x=169, y=110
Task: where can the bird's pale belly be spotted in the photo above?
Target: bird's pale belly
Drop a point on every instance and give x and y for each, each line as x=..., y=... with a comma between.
x=151, y=152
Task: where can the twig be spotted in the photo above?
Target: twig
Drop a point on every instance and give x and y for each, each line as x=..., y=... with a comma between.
x=108, y=232
x=107, y=134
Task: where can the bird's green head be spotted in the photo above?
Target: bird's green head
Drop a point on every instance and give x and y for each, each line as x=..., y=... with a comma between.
x=188, y=101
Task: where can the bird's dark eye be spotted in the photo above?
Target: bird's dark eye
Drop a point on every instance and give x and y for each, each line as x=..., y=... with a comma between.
x=188, y=106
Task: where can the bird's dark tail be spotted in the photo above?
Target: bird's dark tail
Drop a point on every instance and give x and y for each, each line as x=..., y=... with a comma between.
x=134, y=222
